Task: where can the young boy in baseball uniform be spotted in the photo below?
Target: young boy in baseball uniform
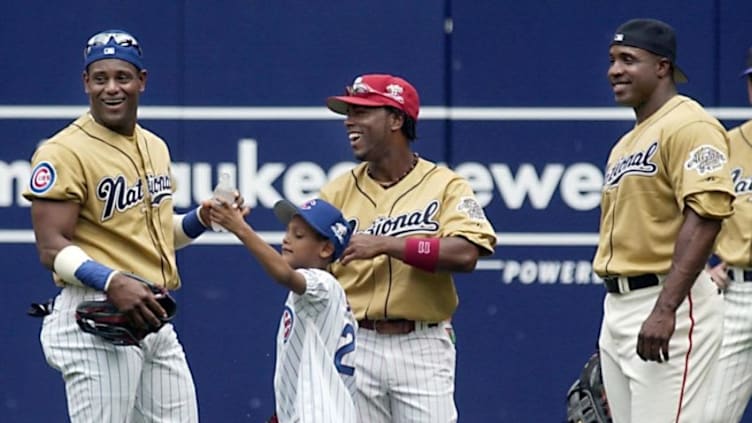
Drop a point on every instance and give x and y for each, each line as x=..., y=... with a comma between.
x=314, y=379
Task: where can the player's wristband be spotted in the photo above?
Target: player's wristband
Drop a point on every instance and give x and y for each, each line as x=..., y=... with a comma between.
x=422, y=253
x=75, y=267
x=187, y=227
x=714, y=260
x=192, y=225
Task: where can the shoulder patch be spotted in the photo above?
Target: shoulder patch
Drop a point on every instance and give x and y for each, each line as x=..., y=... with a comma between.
x=288, y=320
x=471, y=207
x=705, y=159
x=42, y=178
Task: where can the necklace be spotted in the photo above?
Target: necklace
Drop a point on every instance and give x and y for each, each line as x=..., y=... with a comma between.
x=389, y=184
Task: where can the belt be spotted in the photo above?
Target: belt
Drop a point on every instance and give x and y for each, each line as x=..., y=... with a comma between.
x=744, y=274
x=394, y=326
x=622, y=285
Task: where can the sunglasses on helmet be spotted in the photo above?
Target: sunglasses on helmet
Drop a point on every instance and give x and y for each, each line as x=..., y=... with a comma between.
x=120, y=38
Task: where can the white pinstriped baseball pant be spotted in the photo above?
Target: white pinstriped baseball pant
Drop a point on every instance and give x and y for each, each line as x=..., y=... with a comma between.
x=732, y=386
x=406, y=378
x=117, y=384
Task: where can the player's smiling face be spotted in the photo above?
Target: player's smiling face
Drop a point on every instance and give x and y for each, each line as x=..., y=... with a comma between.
x=114, y=87
x=368, y=129
x=633, y=74
x=303, y=247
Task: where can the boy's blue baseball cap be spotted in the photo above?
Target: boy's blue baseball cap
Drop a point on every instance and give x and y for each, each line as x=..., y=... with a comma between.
x=113, y=44
x=323, y=217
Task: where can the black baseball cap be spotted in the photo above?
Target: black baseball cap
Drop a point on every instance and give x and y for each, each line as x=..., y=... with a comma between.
x=652, y=35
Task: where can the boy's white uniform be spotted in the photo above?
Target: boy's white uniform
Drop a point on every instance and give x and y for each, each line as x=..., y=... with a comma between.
x=314, y=380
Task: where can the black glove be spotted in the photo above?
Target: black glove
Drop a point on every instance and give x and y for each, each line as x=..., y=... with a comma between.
x=586, y=399
x=103, y=319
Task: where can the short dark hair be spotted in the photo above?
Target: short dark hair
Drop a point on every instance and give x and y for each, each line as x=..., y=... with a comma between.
x=409, y=127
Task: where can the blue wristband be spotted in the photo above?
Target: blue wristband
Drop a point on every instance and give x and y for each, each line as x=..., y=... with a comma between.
x=714, y=260
x=192, y=226
x=93, y=274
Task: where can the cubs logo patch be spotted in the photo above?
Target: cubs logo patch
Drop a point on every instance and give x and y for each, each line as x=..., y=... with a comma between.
x=705, y=159
x=470, y=207
x=288, y=320
x=42, y=178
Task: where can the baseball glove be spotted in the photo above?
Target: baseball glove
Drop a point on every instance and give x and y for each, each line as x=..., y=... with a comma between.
x=586, y=399
x=103, y=319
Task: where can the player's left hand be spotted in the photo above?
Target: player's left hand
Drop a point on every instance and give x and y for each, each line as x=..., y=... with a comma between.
x=363, y=246
x=656, y=331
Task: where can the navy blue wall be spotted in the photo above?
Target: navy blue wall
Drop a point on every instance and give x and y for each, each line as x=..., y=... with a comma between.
x=528, y=318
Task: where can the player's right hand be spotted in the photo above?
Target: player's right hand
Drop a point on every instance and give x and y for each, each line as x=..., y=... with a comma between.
x=135, y=300
x=654, y=336
x=719, y=275
x=364, y=247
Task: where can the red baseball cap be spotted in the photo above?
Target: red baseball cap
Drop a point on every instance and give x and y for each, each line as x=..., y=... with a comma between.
x=378, y=90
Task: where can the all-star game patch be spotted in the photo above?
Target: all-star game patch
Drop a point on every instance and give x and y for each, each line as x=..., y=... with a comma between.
x=705, y=159
x=42, y=178
x=470, y=207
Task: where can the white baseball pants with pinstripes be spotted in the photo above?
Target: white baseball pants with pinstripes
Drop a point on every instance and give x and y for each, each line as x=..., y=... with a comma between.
x=406, y=378
x=117, y=384
x=675, y=391
x=732, y=386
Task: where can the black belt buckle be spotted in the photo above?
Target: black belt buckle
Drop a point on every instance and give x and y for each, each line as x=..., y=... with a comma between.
x=633, y=282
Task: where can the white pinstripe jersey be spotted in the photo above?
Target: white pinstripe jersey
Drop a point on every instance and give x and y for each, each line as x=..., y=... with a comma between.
x=314, y=380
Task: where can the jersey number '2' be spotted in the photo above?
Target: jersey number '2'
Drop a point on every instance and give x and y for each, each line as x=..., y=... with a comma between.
x=349, y=334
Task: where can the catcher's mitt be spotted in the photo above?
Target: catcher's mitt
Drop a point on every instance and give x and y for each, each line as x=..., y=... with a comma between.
x=586, y=399
x=103, y=319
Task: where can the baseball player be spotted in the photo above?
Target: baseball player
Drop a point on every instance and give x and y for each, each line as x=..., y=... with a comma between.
x=416, y=222
x=732, y=386
x=667, y=189
x=101, y=192
x=314, y=380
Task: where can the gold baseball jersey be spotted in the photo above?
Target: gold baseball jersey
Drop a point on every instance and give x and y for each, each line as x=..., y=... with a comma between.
x=734, y=242
x=431, y=201
x=678, y=156
x=124, y=187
